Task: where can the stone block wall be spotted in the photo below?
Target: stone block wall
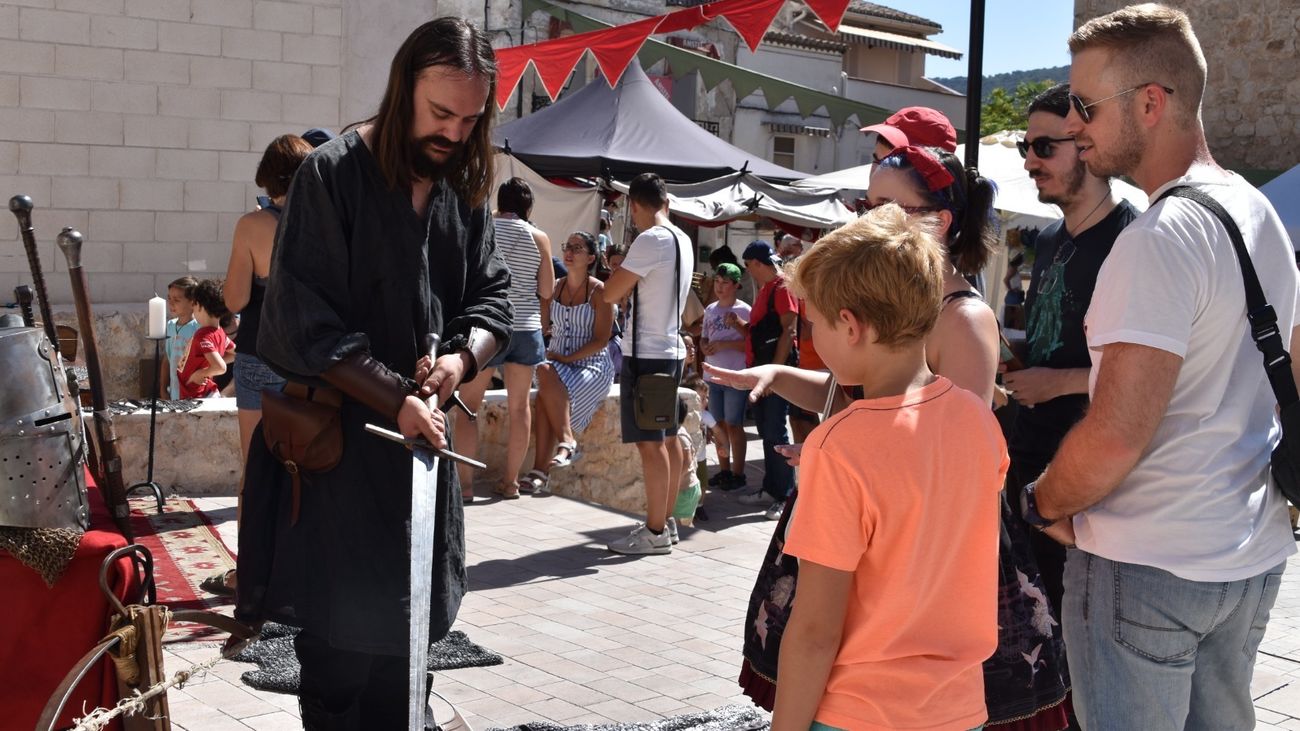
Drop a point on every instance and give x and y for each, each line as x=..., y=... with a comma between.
x=608, y=472
x=1252, y=48
x=141, y=122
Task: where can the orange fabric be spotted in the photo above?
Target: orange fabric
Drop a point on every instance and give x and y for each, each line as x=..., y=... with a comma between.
x=903, y=492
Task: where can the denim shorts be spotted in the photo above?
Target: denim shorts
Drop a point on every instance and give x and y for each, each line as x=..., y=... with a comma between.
x=525, y=348
x=252, y=376
x=633, y=367
x=727, y=404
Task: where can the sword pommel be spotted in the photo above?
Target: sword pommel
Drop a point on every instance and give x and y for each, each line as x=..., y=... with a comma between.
x=70, y=242
x=21, y=204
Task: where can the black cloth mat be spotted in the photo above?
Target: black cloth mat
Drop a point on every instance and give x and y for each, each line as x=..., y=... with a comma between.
x=278, y=667
x=725, y=718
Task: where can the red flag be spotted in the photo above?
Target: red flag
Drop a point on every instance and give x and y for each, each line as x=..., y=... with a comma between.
x=511, y=64
x=554, y=60
x=751, y=19
x=831, y=12
x=614, y=51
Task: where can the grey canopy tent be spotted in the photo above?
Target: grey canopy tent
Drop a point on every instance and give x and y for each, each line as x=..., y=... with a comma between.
x=621, y=132
x=741, y=196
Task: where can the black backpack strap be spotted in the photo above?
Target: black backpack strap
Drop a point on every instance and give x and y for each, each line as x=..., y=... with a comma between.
x=1259, y=313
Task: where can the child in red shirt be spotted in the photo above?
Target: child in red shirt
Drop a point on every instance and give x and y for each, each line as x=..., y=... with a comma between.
x=206, y=356
x=896, y=524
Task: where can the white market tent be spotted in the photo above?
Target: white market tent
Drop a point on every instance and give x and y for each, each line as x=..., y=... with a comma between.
x=557, y=210
x=1017, y=199
x=1284, y=193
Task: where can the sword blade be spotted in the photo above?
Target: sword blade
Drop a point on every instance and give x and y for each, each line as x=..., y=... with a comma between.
x=424, y=500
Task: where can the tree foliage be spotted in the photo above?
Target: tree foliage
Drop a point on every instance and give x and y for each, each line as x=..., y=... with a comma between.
x=1005, y=110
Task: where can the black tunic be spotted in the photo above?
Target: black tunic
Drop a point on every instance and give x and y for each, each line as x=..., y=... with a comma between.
x=356, y=269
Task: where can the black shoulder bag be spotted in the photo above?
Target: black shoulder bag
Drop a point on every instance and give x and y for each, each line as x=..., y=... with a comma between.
x=1277, y=362
x=655, y=394
x=766, y=333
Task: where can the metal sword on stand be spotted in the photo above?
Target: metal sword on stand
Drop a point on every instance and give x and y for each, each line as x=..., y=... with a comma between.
x=424, y=506
x=21, y=206
x=110, y=461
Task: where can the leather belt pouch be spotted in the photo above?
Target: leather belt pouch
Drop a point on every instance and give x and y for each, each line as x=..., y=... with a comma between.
x=303, y=430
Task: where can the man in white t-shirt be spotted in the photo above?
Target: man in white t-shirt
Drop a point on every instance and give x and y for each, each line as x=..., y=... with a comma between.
x=657, y=273
x=1181, y=536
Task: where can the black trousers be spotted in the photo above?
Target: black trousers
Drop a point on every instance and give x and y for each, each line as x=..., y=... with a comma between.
x=341, y=690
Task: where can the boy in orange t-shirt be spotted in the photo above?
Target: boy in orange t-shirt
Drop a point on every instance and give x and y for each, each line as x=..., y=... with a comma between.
x=896, y=524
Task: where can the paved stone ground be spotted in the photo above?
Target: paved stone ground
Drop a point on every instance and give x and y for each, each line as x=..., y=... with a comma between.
x=592, y=637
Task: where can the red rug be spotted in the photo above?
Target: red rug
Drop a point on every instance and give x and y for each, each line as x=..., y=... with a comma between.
x=186, y=550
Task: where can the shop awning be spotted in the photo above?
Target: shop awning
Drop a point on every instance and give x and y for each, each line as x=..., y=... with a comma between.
x=883, y=39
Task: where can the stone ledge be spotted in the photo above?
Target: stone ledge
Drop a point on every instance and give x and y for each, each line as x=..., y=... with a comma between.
x=197, y=452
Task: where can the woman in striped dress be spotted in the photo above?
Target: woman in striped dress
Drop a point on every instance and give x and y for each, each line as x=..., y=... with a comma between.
x=527, y=253
x=575, y=379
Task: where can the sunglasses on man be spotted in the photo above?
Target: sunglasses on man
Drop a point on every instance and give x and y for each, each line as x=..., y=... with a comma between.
x=1082, y=109
x=1043, y=147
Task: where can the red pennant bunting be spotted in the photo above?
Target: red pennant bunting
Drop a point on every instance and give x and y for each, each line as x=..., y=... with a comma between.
x=752, y=19
x=683, y=19
x=831, y=12
x=615, y=47
x=511, y=64
x=615, y=50
x=554, y=60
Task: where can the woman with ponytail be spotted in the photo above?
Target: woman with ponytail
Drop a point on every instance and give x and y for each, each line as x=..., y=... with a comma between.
x=1025, y=680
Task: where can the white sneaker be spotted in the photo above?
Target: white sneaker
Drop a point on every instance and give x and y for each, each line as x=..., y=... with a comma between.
x=641, y=542
x=774, y=512
x=758, y=499
x=670, y=527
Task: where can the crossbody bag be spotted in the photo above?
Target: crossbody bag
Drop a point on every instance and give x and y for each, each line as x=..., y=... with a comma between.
x=654, y=403
x=1285, y=461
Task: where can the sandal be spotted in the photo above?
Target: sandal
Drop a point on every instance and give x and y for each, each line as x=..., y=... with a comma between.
x=571, y=454
x=507, y=492
x=466, y=495
x=219, y=583
x=539, y=483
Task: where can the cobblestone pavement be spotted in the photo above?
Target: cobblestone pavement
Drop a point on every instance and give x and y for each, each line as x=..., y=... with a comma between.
x=591, y=637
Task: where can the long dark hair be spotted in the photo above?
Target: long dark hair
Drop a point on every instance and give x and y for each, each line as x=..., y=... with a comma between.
x=450, y=42
x=973, y=235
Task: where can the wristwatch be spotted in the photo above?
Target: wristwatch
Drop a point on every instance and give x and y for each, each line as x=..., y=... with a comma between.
x=1029, y=508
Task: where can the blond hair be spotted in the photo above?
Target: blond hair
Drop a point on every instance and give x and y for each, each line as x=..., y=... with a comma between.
x=885, y=267
x=1151, y=43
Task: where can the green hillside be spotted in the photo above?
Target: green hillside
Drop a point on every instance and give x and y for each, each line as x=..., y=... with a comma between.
x=1009, y=80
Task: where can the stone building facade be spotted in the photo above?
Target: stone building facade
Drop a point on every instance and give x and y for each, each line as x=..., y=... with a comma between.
x=141, y=123
x=1252, y=48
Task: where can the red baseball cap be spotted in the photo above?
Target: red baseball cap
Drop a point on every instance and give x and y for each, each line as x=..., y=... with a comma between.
x=920, y=126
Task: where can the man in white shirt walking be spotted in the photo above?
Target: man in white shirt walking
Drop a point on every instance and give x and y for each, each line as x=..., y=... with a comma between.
x=1181, y=536
x=658, y=267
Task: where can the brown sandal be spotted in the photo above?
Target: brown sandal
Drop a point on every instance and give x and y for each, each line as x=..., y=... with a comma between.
x=507, y=492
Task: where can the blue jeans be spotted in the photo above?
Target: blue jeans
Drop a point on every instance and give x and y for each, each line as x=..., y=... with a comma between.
x=769, y=416
x=1152, y=651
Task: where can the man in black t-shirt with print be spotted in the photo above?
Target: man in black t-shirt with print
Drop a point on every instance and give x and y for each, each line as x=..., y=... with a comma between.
x=1052, y=390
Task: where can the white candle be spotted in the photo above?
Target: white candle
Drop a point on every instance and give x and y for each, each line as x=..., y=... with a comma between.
x=157, y=317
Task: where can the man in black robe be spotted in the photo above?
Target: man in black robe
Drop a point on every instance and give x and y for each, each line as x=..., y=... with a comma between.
x=384, y=240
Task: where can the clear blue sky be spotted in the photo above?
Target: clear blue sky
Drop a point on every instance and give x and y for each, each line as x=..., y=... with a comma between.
x=1017, y=35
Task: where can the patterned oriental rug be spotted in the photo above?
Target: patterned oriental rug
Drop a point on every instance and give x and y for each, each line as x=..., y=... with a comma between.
x=186, y=550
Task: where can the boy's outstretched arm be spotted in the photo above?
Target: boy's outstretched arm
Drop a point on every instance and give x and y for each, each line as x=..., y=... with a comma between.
x=810, y=644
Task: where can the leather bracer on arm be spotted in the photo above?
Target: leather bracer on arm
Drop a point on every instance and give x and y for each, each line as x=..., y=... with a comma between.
x=374, y=385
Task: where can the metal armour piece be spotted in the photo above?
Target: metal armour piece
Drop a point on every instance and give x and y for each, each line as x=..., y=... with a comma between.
x=42, y=479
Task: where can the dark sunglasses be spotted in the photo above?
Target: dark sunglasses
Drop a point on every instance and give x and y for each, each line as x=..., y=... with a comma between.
x=1082, y=109
x=1043, y=147
x=575, y=248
